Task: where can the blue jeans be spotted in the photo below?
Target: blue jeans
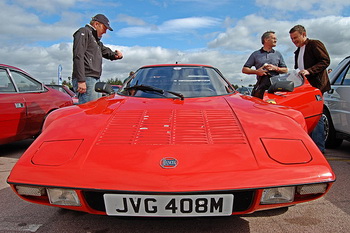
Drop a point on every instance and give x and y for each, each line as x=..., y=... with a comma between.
x=318, y=135
x=90, y=93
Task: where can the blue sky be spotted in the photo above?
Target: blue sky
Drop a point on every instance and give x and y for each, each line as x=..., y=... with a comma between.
x=37, y=34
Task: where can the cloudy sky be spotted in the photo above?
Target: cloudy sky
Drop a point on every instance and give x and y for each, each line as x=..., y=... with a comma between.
x=36, y=35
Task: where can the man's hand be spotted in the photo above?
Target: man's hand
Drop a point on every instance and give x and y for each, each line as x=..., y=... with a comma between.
x=270, y=67
x=81, y=87
x=118, y=55
x=304, y=72
x=261, y=71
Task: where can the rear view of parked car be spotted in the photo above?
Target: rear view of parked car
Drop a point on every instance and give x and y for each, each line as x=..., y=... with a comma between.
x=337, y=105
x=24, y=104
x=245, y=90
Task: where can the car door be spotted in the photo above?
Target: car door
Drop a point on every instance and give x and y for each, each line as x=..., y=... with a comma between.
x=338, y=100
x=12, y=109
x=35, y=99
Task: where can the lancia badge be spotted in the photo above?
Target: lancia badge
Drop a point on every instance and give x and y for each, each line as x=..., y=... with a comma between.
x=168, y=163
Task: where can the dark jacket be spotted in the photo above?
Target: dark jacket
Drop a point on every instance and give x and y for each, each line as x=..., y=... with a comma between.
x=88, y=51
x=316, y=61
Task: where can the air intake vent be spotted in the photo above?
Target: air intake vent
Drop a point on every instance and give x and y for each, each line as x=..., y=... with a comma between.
x=173, y=127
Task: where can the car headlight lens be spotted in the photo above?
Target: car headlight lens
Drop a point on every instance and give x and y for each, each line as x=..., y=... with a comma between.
x=278, y=195
x=66, y=197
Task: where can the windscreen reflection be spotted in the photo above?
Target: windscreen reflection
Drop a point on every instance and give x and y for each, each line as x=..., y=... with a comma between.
x=188, y=81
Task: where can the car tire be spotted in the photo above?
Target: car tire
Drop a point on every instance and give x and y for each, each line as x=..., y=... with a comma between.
x=330, y=134
x=41, y=129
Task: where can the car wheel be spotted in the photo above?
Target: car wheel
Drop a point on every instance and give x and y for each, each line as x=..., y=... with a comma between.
x=41, y=129
x=329, y=131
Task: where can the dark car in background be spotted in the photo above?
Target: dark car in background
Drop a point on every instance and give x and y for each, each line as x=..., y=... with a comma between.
x=245, y=90
x=24, y=104
x=66, y=90
x=337, y=105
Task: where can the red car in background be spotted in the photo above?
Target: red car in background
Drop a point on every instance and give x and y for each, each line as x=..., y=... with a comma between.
x=295, y=91
x=65, y=89
x=24, y=104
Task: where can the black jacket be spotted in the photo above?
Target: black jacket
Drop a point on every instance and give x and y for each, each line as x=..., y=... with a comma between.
x=316, y=61
x=88, y=51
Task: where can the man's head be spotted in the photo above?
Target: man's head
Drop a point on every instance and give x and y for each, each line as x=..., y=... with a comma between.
x=269, y=39
x=298, y=35
x=101, y=24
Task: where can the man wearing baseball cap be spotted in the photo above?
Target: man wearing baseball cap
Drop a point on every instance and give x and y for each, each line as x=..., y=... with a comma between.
x=88, y=51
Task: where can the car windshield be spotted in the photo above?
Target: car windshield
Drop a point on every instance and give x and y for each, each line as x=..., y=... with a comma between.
x=293, y=76
x=176, y=82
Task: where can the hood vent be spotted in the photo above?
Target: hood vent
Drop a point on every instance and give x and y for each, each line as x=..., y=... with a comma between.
x=158, y=127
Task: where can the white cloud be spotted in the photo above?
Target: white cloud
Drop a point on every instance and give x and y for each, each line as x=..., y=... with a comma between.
x=40, y=62
x=130, y=20
x=228, y=51
x=22, y=36
x=27, y=28
x=246, y=34
x=51, y=6
x=171, y=26
x=244, y=37
x=205, y=3
x=313, y=7
x=43, y=62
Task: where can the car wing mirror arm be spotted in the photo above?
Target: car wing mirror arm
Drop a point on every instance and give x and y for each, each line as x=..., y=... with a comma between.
x=331, y=91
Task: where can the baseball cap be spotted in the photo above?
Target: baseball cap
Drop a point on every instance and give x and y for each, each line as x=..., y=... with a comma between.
x=102, y=19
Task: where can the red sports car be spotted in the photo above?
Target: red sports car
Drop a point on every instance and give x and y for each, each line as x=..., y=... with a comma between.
x=24, y=104
x=302, y=96
x=176, y=140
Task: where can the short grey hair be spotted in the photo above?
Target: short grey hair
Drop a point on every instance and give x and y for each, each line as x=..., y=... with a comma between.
x=266, y=35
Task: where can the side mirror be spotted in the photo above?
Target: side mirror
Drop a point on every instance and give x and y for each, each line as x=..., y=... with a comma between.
x=331, y=91
x=103, y=87
x=287, y=86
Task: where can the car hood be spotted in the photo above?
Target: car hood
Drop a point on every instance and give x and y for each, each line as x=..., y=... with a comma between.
x=169, y=145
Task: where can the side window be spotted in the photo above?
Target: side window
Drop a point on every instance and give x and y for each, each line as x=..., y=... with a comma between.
x=343, y=75
x=25, y=83
x=346, y=80
x=5, y=83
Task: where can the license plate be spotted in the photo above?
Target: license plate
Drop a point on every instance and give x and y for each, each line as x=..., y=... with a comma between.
x=168, y=205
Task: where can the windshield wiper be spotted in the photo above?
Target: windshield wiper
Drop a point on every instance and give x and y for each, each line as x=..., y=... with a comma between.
x=155, y=89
